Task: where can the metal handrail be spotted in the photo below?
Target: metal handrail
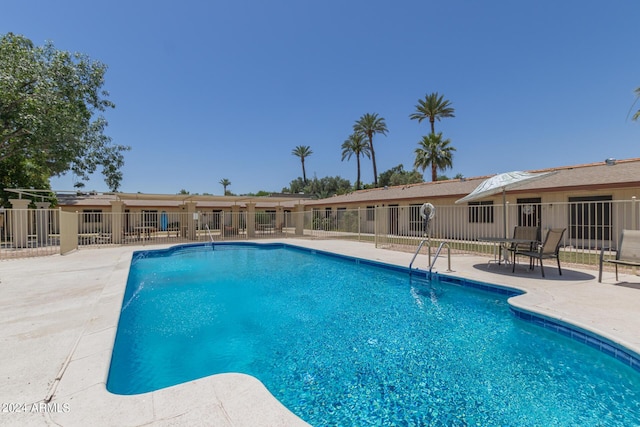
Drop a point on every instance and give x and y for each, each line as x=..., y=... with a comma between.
x=418, y=250
x=432, y=263
x=209, y=233
x=438, y=253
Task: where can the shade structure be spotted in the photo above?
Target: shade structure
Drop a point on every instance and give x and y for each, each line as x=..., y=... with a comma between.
x=500, y=183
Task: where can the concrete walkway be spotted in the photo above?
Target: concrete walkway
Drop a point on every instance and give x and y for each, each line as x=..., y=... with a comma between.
x=58, y=319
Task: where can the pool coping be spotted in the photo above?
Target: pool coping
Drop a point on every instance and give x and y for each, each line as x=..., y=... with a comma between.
x=78, y=379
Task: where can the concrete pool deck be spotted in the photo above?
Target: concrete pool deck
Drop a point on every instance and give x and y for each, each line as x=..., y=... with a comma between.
x=58, y=318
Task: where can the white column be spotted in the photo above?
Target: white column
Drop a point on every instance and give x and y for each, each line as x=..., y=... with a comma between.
x=20, y=222
x=117, y=223
x=42, y=222
x=251, y=220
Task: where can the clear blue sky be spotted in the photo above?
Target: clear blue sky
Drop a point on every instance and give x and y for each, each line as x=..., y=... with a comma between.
x=206, y=90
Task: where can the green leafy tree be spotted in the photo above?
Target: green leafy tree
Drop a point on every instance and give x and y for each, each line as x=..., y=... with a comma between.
x=260, y=193
x=302, y=151
x=368, y=125
x=295, y=186
x=385, y=177
x=328, y=186
x=434, y=151
x=50, y=122
x=433, y=107
x=398, y=176
x=17, y=172
x=225, y=183
x=356, y=145
x=320, y=188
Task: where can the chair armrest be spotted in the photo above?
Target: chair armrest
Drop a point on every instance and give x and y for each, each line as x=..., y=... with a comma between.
x=603, y=250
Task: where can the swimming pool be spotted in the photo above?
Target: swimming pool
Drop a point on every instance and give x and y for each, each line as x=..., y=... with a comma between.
x=341, y=341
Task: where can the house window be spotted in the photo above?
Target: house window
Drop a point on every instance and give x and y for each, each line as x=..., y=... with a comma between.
x=590, y=217
x=481, y=212
x=149, y=218
x=529, y=212
x=215, y=219
x=92, y=215
x=415, y=220
x=371, y=213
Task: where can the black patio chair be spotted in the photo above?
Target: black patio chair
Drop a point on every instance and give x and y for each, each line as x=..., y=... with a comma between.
x=548, y=250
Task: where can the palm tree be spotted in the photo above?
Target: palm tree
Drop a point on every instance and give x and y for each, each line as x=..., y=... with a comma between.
x=368, y=125
x=636, y=116
x=433, y=107
x=432, y=150
x=302, y=151
x=357, y=145
x=225, y=183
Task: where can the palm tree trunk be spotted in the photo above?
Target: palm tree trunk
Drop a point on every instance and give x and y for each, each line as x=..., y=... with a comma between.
x=304, y=174
x=373, y=159
x=432, y=120
x=358, y=176
x=434, y=172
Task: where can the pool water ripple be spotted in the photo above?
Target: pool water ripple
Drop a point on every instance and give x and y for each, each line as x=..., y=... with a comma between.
x=341, y=343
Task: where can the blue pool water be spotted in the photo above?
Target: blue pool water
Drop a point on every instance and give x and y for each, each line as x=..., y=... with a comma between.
x=348, y=343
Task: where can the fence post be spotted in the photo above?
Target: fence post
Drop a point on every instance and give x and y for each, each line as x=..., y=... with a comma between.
x=375, y=225
x=20, y=222
x=42, y=223
x=251, y=220
x=68, y=231
x=382, y=224
x=117, y=227
x=235, y=219
x=634, y=218
x=223, y=225
x=506, y=219
x=192, y=218
x=359, y=224
x=279, y=220
x=298, y=220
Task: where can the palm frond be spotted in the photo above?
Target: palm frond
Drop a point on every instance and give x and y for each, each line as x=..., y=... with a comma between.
x=432, y=107
x=435, y=152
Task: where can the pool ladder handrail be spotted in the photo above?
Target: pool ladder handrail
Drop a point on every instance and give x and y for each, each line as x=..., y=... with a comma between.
x=209, y=232
x=432, y=263
x=418, y=250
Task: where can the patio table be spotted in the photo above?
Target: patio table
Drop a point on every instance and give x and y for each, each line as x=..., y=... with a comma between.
x=500, y=247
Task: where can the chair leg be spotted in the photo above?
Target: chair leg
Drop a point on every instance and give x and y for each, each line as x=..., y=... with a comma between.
x=559, y=269
x=600, y=270
x=541, y=267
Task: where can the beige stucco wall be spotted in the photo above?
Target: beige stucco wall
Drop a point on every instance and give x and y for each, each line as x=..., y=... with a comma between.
x=452, y=221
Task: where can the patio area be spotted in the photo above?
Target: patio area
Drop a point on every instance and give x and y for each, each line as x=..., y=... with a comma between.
x=58, y=318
